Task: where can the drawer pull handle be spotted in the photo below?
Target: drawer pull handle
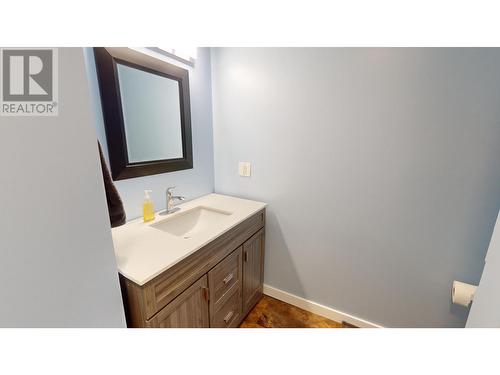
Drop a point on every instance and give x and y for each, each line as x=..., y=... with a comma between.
x=228, y=278
x=228, y=316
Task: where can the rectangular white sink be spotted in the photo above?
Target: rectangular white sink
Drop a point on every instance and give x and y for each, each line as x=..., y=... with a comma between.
x=195, y=221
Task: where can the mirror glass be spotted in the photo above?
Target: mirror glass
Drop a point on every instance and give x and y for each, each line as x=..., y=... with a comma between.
x=151, y=115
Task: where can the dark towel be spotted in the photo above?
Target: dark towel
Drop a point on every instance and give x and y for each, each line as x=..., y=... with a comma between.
x=115, y=205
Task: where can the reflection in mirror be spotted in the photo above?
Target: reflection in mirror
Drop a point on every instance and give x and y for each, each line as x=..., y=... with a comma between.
x=152, y=122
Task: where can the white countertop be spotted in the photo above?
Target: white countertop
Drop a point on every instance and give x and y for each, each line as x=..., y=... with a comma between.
x=143, y=252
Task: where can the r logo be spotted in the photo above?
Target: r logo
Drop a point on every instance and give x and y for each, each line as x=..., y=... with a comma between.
x=27, y=75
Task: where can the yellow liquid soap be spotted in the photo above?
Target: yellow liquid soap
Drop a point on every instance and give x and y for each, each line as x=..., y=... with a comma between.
x=148, y=211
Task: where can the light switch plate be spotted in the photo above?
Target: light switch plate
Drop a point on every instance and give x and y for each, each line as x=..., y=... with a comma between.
x=245, y=169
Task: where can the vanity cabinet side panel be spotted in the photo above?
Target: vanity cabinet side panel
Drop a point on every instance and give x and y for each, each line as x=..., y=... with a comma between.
x=133, y=300
x=253, y=270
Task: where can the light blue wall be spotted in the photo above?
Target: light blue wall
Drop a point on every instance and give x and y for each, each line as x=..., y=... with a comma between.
x=381, y=168
x=191, y=183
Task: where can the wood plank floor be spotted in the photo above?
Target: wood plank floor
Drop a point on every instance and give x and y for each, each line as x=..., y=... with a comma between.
x=273, y=313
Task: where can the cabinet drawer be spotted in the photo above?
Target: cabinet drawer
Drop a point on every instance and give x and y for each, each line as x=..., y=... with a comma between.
x=229, y=314
x=224, y=275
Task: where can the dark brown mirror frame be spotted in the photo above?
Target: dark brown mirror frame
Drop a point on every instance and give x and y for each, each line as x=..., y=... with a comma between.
x=109, y=85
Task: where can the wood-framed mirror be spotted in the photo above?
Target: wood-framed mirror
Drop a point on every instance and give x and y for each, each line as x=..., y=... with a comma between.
x=146, y=110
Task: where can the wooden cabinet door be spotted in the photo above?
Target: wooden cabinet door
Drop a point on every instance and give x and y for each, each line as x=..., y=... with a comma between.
x=253, y=270
x=188, y=310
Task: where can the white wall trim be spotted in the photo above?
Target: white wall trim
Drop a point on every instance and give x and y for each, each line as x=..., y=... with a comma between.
x=316, y=308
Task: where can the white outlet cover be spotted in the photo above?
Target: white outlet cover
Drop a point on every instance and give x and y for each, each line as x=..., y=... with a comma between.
x=245, y=169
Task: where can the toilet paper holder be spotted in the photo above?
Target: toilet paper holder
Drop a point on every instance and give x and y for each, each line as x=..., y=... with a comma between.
x=462, y=293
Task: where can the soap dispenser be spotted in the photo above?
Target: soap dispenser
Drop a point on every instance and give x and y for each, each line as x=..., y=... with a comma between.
x=148, y=211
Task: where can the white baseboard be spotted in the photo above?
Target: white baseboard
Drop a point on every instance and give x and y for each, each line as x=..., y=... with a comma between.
x=316, y=308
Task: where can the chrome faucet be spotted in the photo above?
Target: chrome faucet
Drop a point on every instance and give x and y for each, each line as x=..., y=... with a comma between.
x=170, y=202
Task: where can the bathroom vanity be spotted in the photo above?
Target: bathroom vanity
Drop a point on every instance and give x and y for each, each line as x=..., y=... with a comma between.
x=199, y=267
